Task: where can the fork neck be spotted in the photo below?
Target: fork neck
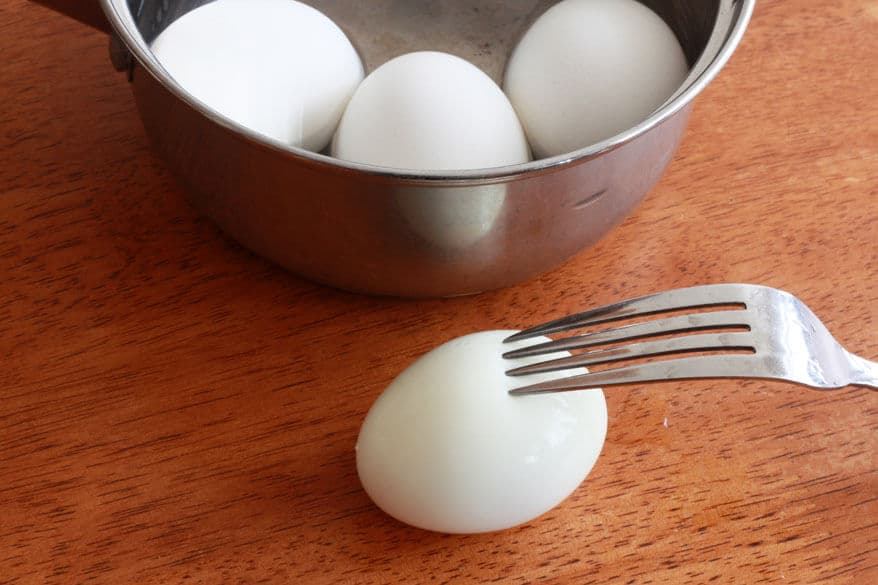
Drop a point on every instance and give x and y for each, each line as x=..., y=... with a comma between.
x=863, y=372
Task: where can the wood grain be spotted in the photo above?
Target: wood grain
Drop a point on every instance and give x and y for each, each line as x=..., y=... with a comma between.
x=174, y=409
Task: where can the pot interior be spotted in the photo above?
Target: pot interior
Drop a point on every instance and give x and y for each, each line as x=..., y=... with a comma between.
x=484, y=32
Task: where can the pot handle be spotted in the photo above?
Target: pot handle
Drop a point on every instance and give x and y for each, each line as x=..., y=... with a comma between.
x=86, y=11
x=90, y=12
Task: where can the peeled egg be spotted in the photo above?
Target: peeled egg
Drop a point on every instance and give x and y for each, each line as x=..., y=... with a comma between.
x=589, y=69
x=278, y=67
x=430, y=111
x=446, y=448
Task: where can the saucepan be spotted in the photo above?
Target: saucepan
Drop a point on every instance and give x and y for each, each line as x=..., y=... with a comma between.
x=402, y=233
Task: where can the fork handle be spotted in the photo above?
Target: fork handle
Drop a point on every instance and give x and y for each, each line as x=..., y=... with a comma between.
x=863, y=372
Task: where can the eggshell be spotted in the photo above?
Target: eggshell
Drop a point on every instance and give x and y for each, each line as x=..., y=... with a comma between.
x=278, y=67
x=430, y=111
x=446, y=448
x=589, y=69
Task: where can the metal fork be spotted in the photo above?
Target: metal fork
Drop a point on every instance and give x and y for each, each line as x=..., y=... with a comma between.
x=755, y=332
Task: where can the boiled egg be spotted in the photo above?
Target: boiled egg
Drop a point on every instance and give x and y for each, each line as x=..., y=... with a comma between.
x=278, y=67
x=430, y=111
x=589, y=69
x=446, y=448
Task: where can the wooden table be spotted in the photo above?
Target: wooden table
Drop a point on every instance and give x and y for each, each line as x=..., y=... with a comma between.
x=174, y=409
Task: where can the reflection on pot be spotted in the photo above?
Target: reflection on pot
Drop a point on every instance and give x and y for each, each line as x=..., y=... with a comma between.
x=452, y=219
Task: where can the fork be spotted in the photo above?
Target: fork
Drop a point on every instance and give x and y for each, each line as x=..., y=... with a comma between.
x=751, y=332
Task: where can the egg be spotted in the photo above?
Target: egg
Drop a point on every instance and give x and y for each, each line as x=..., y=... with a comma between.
x=430, y=111
x=589, y=69
x=446, y=448
x=278, y=67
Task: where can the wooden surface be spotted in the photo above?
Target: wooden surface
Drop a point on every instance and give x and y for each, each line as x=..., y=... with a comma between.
x=174, y=409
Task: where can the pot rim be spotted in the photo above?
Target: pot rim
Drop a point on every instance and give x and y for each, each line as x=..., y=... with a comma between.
x=702, y=73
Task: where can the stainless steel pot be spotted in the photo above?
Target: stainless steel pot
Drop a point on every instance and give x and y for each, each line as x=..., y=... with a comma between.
x=385, y=231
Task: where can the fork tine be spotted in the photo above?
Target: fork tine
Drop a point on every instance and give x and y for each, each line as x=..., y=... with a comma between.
x=689, y=343
x=685, y=368
x=695, y=297
x=676, y=324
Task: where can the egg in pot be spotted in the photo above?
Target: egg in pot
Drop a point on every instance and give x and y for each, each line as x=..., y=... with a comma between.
x=430, y=111
x=278, y=67
x=589, y=69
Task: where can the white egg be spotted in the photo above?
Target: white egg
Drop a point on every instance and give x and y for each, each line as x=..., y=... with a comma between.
x=589, y=69
x=278, y=67
x=446, y=448
x=430, y=111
